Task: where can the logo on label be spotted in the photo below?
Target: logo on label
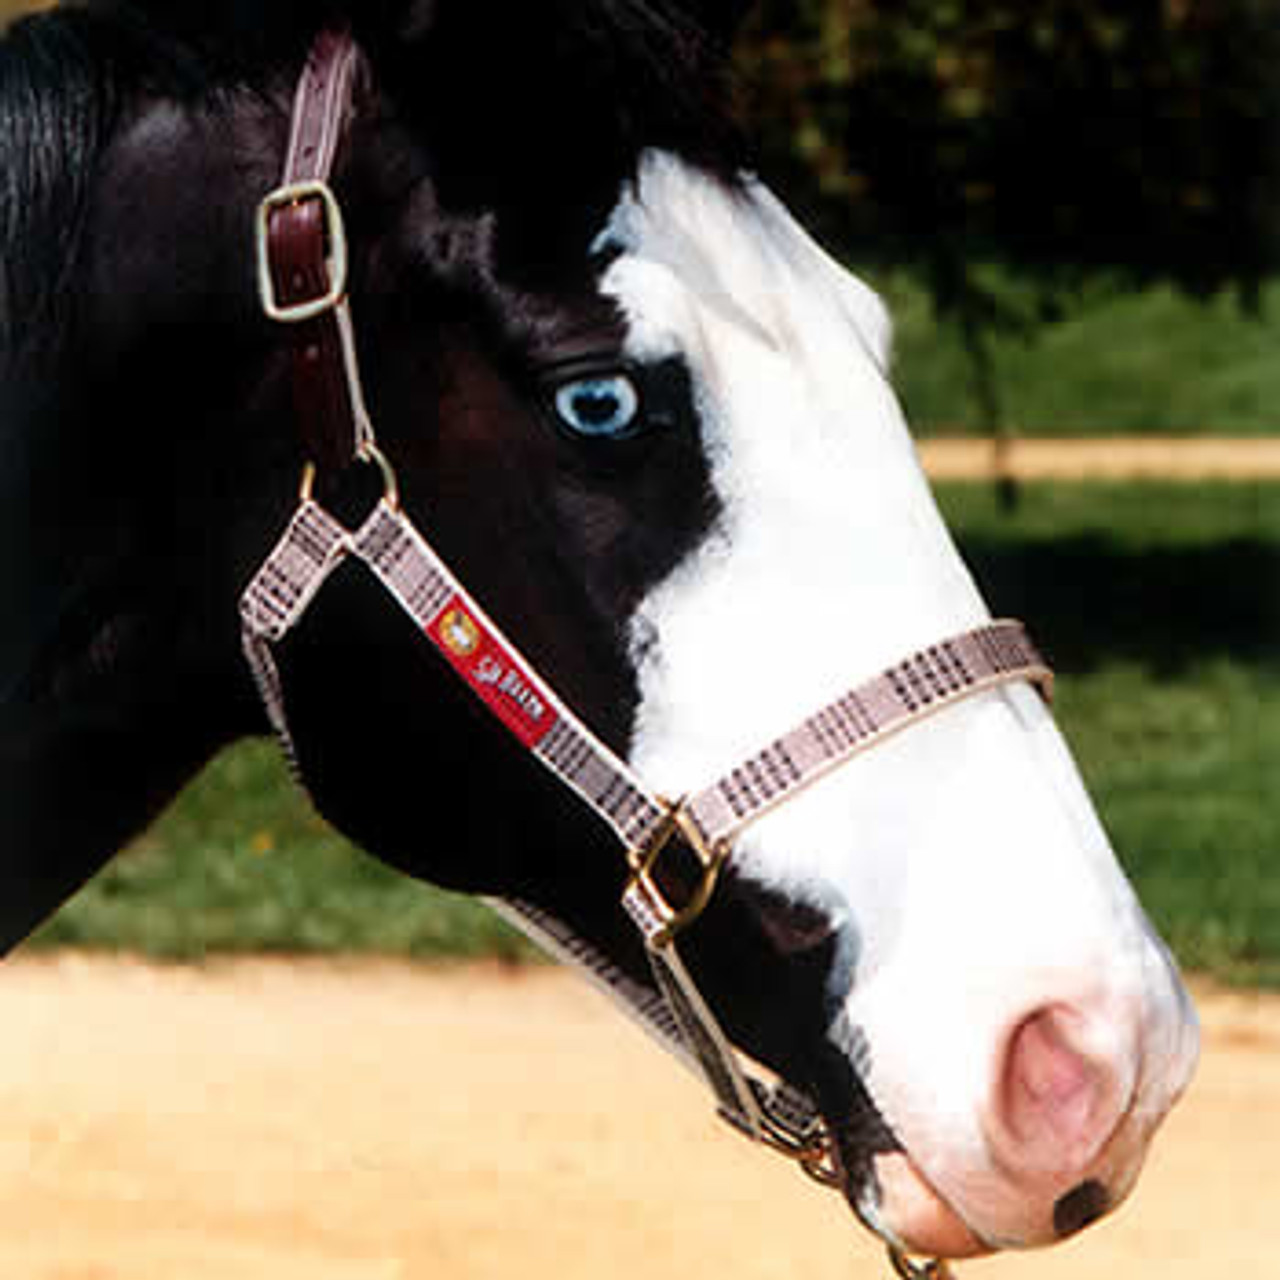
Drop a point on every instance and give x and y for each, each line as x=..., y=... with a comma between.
x=459, y=633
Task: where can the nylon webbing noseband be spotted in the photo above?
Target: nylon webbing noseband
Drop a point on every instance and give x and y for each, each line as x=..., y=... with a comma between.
x=302, y=261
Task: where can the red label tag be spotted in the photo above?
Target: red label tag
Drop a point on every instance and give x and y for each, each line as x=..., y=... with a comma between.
x=494, y=674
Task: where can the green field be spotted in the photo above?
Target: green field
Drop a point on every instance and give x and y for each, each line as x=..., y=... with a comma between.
x=1120, y=363
x=1160, y=605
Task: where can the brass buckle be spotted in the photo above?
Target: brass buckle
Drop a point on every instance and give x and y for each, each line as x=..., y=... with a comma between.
x=648, y=902
x=336, y=244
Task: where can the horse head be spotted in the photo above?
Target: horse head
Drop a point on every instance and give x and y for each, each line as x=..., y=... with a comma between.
x=649, y=423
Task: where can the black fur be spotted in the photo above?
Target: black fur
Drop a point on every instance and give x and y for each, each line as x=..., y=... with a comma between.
x=142, y=397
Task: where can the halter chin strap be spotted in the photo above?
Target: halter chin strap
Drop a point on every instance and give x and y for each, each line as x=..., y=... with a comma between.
x=674, y=848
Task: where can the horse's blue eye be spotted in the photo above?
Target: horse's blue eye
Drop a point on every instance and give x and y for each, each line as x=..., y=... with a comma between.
x=602, y=407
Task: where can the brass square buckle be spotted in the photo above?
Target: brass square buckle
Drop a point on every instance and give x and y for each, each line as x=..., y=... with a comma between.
x=335, y=248
x=663, y=901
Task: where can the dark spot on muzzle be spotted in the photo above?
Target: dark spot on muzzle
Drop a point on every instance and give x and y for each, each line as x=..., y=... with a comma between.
x=1078, y=1208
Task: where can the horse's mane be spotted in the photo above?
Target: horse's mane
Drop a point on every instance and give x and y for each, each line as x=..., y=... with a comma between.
x=529, y=98
x=54, y=105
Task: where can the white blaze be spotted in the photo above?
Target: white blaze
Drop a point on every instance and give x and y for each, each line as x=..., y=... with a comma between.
x=963, y=859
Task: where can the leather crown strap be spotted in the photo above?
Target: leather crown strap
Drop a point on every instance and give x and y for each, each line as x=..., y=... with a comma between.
x=674, y=849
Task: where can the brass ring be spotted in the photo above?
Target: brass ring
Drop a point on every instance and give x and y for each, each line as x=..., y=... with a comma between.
x=909, y=1269
x=369, y=453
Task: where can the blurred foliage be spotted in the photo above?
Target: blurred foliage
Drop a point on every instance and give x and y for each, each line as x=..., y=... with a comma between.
x=1068, y=139
x=1065, y=141
x=10, y=9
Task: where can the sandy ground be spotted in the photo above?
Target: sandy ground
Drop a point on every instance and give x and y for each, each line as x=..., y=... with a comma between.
x=371, y=1121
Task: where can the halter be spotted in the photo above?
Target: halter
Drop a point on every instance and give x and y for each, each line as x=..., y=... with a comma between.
x=674, y=848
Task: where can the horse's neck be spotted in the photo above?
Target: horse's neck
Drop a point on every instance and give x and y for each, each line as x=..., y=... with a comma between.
x=123, y=473
x=85, y=769
x=76, y=783
x=103, y=711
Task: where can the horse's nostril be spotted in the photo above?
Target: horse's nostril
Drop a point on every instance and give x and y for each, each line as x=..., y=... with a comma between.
x=1059, y=1098
x=1079, y=1207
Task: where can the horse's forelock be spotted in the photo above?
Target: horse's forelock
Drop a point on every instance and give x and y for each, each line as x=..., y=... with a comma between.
x=540, y=96
x=53, y=109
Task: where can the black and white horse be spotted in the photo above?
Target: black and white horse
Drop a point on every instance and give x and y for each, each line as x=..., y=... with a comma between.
x=648, y=422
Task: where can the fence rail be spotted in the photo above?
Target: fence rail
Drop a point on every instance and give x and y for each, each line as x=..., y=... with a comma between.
x=1128, y=458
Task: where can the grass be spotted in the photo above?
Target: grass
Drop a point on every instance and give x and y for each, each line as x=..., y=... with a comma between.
x=1181, y=769
x=240, y=863
x=1160, y=606
x=1154, y=361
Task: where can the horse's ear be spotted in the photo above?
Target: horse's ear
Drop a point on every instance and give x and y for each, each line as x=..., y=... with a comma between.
x=719, y=18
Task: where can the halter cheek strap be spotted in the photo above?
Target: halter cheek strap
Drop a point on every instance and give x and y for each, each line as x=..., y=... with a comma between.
x=674, y=849
x=302, y=259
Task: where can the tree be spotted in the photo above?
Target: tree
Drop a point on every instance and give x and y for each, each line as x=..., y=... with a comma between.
x=1066, y=138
